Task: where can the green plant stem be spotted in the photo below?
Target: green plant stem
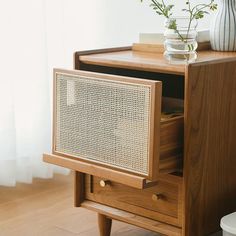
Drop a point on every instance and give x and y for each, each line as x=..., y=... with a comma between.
x=182, y=38
x=204, y=6
x=154, y=2
x=190, y=22
x=160, y=9
x=192, y=15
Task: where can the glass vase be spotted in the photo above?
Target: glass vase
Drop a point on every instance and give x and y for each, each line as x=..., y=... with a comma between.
x=180, y=40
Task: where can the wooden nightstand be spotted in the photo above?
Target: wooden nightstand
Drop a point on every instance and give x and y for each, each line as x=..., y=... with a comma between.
x=180, y=178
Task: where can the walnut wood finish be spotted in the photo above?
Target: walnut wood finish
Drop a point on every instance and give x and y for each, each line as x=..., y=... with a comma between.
x=106, y=173
x=133, y=60
x=210, y=145
x=143, y=222
x=79, y=189
x=171, y=145
x=77, y=61
x=147, y=61
x=104, y=224
x=167, y=208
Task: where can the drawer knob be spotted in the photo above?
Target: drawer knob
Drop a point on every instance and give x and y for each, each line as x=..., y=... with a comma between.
x=104, y=183
x=156, y=197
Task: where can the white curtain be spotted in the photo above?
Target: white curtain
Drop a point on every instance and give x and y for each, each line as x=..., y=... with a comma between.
x=35, y=37
x=25, y=104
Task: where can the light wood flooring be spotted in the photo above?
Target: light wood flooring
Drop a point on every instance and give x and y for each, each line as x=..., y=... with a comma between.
x=45, y=208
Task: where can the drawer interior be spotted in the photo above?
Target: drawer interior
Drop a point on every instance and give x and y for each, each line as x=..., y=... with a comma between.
x=172, y=85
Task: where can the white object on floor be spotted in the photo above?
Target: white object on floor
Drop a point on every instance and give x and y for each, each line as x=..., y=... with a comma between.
x=228, y=224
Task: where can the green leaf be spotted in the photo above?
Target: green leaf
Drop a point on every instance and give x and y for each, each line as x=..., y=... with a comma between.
x=213, y=7
x=172, y=25
x=195, y=12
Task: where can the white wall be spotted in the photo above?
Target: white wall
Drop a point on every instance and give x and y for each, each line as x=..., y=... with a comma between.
x=79, y=25
x=123, y=20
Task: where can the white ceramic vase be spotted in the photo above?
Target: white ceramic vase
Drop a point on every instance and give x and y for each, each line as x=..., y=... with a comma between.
x=223, y=28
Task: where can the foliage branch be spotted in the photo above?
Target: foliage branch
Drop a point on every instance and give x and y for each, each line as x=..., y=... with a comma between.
x=194, y=12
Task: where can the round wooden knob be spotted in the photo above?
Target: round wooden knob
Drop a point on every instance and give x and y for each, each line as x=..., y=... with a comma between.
x=104, y=183
x=156, y=197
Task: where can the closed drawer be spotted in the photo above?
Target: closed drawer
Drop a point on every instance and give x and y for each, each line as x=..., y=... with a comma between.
x=161, y=202
x=116, y=123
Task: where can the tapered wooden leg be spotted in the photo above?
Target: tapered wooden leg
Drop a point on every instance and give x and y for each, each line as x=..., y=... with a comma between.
x=104, y=224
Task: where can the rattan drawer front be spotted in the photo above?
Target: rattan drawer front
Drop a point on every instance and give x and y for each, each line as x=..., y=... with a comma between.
x=161, y=202
x=108, y=120
x=115, y=122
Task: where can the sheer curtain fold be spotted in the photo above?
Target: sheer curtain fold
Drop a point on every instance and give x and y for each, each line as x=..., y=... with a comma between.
x=36, y=36
x=25, y=110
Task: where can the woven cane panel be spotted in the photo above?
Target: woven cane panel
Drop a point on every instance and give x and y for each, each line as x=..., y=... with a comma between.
x=105, y=121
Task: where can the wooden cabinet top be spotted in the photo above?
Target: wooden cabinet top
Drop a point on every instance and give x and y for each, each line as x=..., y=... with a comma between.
x=147, y=61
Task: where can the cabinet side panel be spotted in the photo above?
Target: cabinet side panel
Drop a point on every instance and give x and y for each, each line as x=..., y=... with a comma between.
x=210, y=146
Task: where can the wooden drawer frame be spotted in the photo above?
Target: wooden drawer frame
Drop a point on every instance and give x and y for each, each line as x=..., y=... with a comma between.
x=172, y=228
x=167, y=209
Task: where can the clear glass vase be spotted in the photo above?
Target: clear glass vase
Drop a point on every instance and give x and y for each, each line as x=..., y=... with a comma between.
x=180, y=40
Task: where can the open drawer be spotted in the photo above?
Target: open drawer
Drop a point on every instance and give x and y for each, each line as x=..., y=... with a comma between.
x=113, y=124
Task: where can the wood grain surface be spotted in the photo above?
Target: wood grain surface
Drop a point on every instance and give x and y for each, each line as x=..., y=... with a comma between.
x=79, y=189
x=167, y=208
x=130, y=218
x=80, y=166
x=133, y=60
x=210, y=145
x=104, y=224
x=149, y=61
